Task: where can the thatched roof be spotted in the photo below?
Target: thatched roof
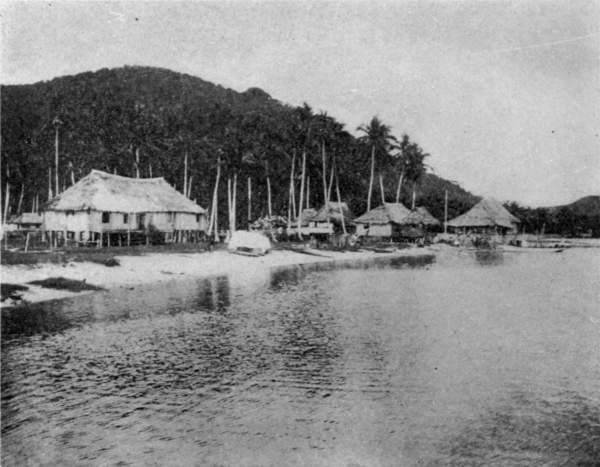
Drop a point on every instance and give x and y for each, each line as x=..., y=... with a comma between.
x=388, y=212
x=28, y=218
x=333, y=209
x=102, y=191
x=420, y=216
x=307, y=215
x=487, y=213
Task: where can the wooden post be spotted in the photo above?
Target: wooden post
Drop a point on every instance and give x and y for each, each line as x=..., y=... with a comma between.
x=100, y=239
x=371, y=178
x=325, y=182
x=6, y=203
x=189, y=188
x=27, y=242
x=129, y=229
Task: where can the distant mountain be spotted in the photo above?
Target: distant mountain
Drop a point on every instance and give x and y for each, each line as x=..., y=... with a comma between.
x=581, y=217
x=588, y=205
x=109, y=115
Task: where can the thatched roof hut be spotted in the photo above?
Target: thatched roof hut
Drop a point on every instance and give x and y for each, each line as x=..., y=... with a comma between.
x=28, y=220
x=420, y=216
x=102, y=203
x=332, y=213
x=101, y=191
x=384, y=214
x=488, y=213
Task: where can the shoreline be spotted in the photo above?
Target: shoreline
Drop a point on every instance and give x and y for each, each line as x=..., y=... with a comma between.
x=158, y=268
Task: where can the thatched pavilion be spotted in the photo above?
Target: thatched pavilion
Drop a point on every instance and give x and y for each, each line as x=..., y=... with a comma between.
x=106, y=209
x=486, y=217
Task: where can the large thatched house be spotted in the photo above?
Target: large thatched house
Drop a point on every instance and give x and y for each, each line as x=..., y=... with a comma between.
x=488, y=216
x=109, y=209
x=383, y=221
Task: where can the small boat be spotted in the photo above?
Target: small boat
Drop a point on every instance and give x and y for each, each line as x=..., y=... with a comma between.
x=248, y=243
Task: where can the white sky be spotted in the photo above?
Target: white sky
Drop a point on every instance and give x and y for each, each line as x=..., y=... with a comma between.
x=505, y=96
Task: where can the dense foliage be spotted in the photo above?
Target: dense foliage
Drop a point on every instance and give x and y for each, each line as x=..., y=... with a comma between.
x=110, y=115
x=579, y=218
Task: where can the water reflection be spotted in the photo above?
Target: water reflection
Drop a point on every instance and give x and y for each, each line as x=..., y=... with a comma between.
x=396, y=364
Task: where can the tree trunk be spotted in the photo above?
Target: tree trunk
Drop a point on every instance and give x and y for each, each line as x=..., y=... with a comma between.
x=185, y=162
x=269, y=198
x=213, y=223
x=150, y=170
x=381, y=187
x=137, y=162
x=330, y=183
x=325, y=182
x=234, y=202
x=307, y=193
x=414, y=196
x=229, y=202
x=56, y=190
x=400, y=180
x=339, y=198
x=291, y=201
x=50, y=183
x=299, y=225
x=6, y=202
x=21, y=196
x=446, y=212
x=249, y=202
x=189, y=188
x=371, y=178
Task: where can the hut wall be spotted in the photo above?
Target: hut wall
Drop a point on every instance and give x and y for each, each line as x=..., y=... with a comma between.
x=361, y=230
x=380, y=230
x=78, y=221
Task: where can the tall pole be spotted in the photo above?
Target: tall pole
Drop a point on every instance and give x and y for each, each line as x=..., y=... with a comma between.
x=185, y=170
x=56, y=122
x=446, y=212
x=307, y=193
x=49, y=183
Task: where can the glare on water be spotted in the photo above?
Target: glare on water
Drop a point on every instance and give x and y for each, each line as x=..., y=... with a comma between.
x=477, y=359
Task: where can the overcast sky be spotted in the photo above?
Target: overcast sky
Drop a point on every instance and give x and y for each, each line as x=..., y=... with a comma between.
x=505, y=96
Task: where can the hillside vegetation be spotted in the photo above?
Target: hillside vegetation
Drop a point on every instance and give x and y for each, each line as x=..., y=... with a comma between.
x=111, y=116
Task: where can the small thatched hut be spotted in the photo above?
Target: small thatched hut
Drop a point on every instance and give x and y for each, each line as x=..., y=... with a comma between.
x=102, y=209
x=28, y=221
x=487, y=217
x=383, y=221
x=417, y=224
x=327, y=220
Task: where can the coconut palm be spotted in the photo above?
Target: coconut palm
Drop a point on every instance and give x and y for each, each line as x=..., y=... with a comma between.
x=379, y=138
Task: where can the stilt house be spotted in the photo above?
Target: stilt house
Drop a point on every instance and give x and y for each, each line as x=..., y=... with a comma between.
x=105, y=209
x=327, y=220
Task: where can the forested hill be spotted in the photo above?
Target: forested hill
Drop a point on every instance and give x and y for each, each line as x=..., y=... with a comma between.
x=109, y=115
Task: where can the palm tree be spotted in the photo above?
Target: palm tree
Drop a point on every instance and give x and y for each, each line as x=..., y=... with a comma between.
x=378, y=136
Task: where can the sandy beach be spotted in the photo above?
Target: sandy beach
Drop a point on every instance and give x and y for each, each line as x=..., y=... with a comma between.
x=166, y=267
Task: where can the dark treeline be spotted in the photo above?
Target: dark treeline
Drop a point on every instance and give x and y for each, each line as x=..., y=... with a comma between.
x=111, y=118
x=575, y=219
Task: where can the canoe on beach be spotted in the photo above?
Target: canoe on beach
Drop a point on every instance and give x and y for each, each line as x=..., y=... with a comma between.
x=248, y=243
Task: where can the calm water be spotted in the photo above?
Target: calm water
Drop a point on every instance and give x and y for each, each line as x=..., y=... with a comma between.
x=473, y=360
